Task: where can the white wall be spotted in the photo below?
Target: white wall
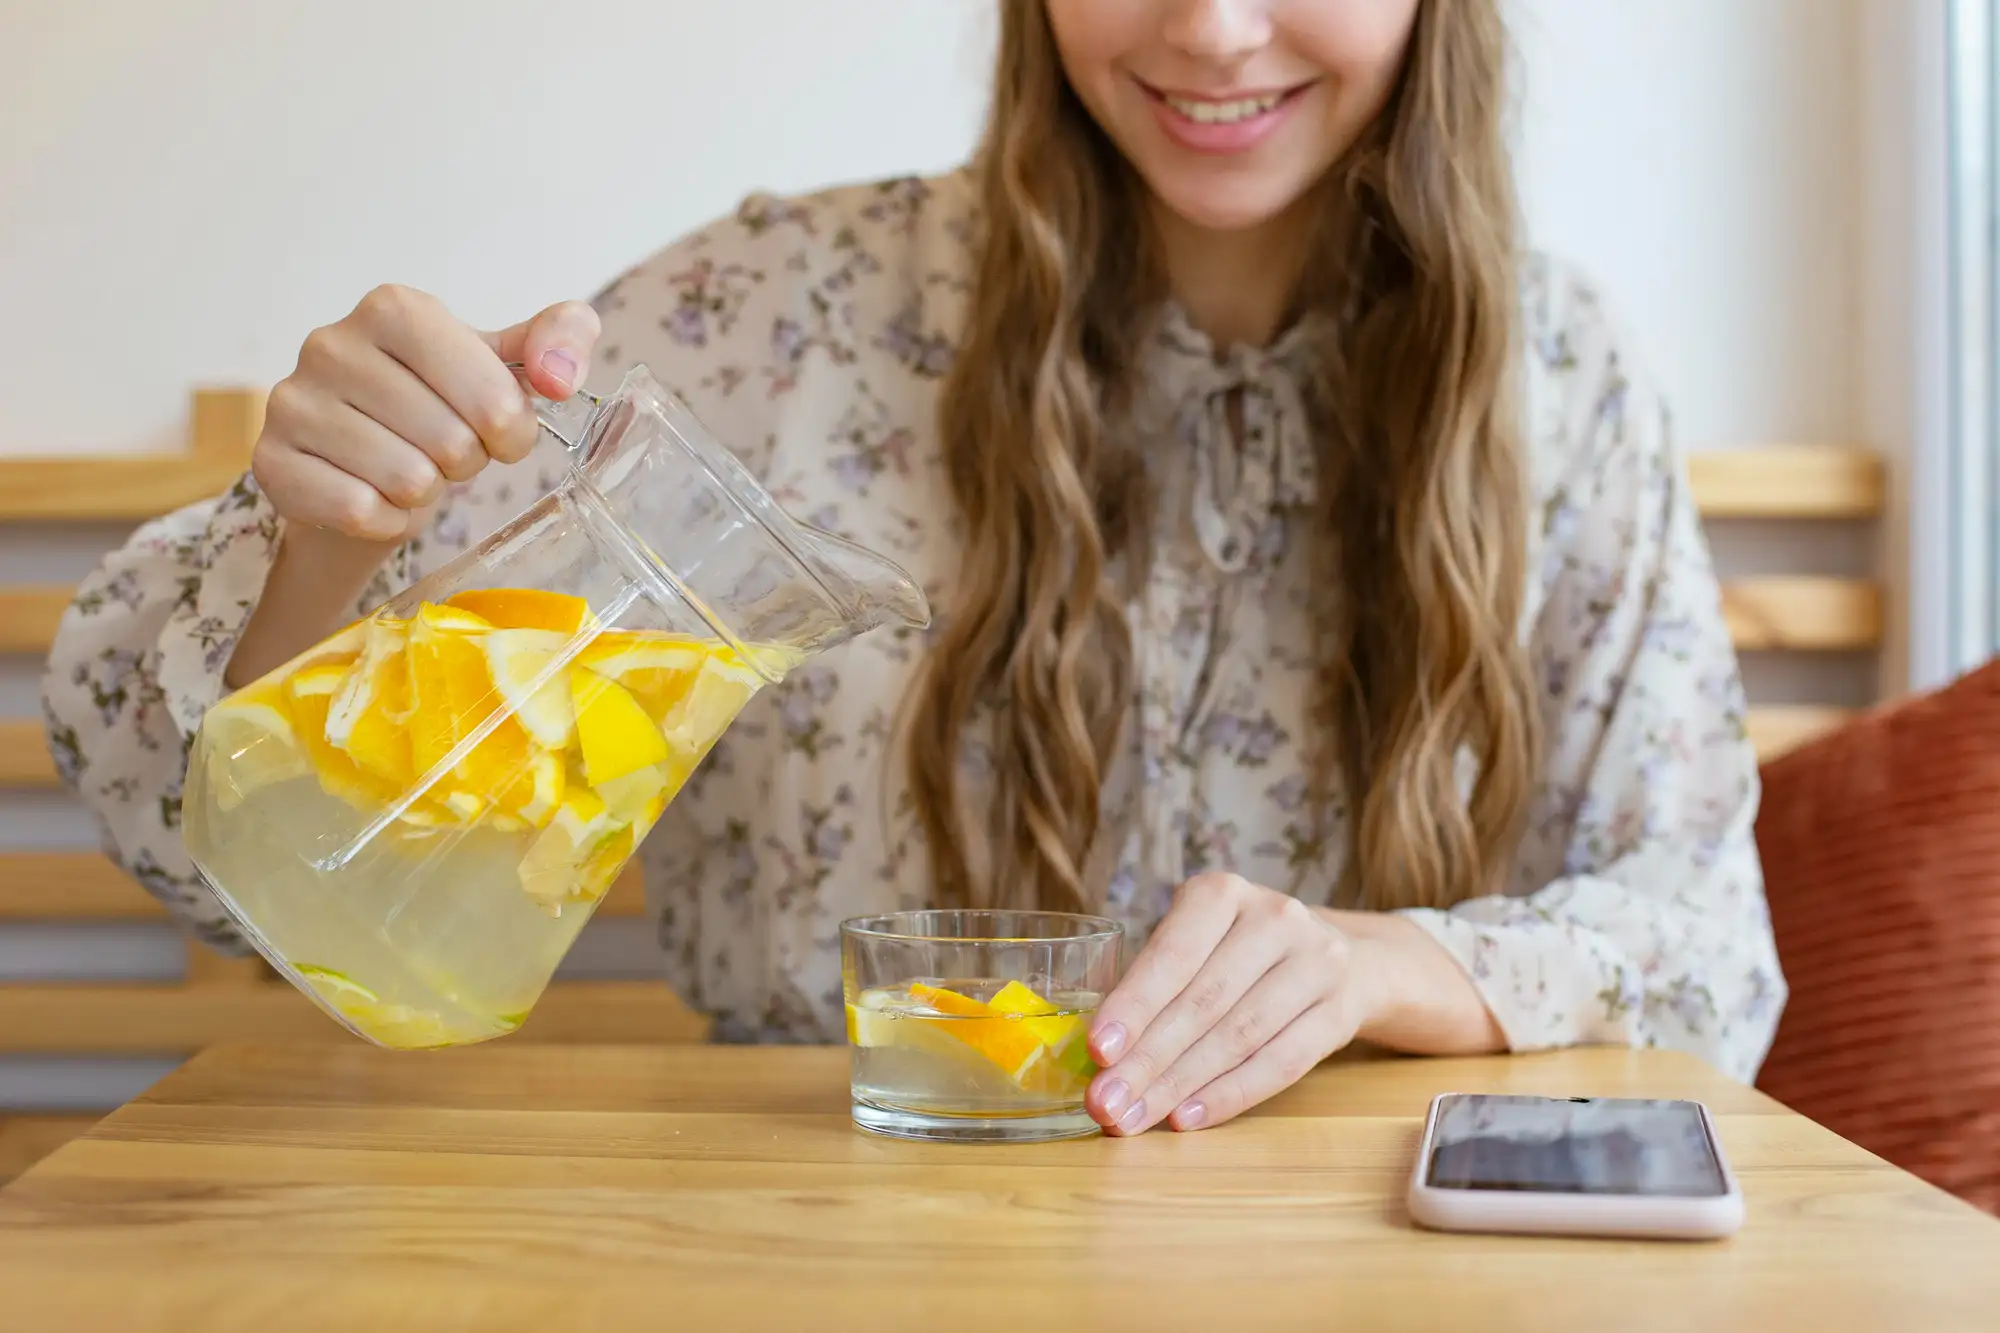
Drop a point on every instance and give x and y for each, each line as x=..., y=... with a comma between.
x=1697, y=156
x=187, y=186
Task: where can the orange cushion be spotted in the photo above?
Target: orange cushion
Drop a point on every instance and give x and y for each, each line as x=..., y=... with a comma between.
x=1881, y=851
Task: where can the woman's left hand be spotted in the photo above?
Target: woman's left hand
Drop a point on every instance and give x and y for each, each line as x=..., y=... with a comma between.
x=1238, y=993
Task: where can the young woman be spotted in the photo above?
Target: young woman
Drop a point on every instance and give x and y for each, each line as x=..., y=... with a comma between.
x=1320, y=593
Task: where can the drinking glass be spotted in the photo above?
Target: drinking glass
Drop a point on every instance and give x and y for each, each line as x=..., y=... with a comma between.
x=972, y=1026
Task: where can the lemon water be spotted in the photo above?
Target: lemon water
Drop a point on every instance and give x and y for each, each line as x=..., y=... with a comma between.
x=415, y=818
x=408, y=948
x=975, y=1048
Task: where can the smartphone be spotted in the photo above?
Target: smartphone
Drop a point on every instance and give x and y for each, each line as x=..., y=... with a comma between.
x=1576, y=1166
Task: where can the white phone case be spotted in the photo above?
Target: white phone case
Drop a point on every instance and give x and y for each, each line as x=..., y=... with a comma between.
x=1655, y=1217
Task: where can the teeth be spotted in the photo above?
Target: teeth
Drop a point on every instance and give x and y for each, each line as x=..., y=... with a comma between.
x=1223, y=113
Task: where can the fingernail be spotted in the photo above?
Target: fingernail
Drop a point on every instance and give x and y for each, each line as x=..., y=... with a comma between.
x=560, y=365
x=1114, y=1097
x=1130, y=1120
x=1110, y=1040
x=1190, y=1115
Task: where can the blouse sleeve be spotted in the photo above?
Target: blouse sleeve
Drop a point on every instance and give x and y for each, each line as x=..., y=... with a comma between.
x=1637, y=914
x=137, y=660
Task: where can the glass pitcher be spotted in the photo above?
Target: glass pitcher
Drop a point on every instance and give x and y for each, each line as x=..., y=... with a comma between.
x=414, y=819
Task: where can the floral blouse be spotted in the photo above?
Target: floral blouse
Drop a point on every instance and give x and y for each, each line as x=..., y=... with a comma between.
x=812, y=334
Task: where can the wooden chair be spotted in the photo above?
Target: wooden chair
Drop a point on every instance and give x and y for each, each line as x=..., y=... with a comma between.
x=226, y=999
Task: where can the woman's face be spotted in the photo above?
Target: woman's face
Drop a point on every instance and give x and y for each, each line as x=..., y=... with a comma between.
x=1231, y=110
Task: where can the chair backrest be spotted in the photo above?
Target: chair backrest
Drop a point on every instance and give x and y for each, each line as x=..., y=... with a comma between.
x=1794, y=613
x=222, y=999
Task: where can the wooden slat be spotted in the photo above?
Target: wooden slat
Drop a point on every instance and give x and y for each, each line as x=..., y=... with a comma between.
x=206, y=967
x=1802, y=613
x=1788, y=481
x=26, y=1139
x=1779, y=728
x=176, y=1020
x=28, y=616
x=70, y=886
x=138, y=486
x=627, y=898
x=24, y=757
x=83, y=886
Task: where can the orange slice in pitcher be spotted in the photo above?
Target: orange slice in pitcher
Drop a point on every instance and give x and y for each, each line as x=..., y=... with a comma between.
x=536, y=792
x=658, y=669
x=449, y=688
x=526, y=608
x=369, y=718
x=312, y=692
x=455, y=697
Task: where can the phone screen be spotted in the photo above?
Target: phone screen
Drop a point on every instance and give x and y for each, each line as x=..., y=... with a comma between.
x=1581, y=1145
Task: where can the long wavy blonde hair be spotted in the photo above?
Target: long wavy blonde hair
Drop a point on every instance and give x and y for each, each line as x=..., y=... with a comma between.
x=1424, y=530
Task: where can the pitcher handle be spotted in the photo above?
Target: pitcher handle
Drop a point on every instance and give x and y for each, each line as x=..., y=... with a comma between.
x=561, y=412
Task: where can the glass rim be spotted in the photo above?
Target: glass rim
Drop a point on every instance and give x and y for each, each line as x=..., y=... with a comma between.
x=876, y=926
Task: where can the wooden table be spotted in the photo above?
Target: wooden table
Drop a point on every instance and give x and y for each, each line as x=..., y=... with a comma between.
x=514, y=1187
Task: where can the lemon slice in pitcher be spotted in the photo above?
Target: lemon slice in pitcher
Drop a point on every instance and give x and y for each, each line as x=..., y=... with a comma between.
x=337, y=987
x=522, y=663
x=557, y=864
x=251, y=734
x=612, y=729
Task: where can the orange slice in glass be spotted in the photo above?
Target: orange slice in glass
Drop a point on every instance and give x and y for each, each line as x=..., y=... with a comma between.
x=1004, y=1041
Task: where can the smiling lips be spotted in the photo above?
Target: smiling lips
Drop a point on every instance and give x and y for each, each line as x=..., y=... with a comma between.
x=1232, y=124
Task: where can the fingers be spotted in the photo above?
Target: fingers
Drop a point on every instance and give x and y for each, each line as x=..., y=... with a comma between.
x=455, y=362
x=308, y=489
x=1277, y=1064
x=1266, y=1009
x=554, y=347
x=1201, y=915
x=404, y=406
x=1140, y=1089
x=397, y=400
x=359, y=445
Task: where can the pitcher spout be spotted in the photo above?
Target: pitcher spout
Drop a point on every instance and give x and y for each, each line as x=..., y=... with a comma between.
x=882, y=593
x=701, y=536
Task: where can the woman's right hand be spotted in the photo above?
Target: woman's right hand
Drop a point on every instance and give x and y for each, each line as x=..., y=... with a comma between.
x=386, y=408
x=399, y=399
